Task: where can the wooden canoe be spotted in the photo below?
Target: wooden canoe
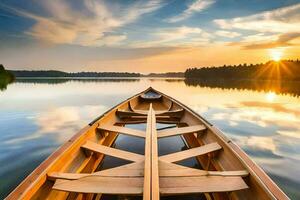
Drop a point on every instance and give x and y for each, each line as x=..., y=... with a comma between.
x=225, y=172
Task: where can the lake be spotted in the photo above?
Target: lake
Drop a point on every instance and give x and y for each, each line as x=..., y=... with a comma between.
x=38, y=115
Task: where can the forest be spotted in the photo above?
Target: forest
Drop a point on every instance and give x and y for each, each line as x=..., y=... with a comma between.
x=55, y=73
x=272, y=70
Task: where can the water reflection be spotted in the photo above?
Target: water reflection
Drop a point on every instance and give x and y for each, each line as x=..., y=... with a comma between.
x=282, y=87
x=37, y=118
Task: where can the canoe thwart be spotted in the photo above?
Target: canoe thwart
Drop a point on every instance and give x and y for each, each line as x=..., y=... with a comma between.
x=112, y=152
x=122, y=130
x=179, y=131
x=182, y=155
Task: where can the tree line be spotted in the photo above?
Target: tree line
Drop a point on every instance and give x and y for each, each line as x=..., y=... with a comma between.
x=286, y=70
x=55, y=73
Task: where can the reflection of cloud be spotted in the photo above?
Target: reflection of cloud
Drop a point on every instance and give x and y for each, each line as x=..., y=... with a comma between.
x=57, y=118
x=62, y=122
x=276, y=107
x=276, y=146
x=265, y=143
x=293, y=134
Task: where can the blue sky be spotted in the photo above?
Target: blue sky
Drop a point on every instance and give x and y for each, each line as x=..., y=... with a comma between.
x=144, y=36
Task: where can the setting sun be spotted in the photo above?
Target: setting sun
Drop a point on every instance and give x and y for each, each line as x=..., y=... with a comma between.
x=270, y=96
x=276, y=54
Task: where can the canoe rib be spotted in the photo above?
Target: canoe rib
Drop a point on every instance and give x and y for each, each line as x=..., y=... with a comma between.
x=113, y=152
x=122, y=130
x=182, y=155
x=180, y=131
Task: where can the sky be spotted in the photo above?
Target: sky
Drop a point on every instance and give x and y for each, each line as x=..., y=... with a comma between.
x=146, y=36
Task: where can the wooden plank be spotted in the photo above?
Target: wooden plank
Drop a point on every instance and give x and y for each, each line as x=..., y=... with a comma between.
x=178, y=156
x=104, y=185
x=113, y=152
x=147, y=168
x=173, y=113
x=179, y=131
x=154, y=159
x=185, y=185
x=171, y=169
x=123, y=130
x=242, y=173
x=174, y=170
x=129, y=170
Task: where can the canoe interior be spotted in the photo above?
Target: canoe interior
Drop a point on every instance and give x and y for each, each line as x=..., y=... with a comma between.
x=220, y=159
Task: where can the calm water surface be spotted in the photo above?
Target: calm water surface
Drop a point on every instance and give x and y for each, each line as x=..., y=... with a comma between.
x=37, y=116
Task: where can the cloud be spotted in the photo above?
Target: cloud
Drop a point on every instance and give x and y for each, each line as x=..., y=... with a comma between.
x=227, y=34
x=196, y=6
x=93, y=27
x=282, y=41
x=173, y=36
x=281, y=20
x=177, y=33
x=275, y=28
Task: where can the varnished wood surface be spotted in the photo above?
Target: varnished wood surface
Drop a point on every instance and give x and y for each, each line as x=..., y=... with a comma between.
x=178, y=156
x=122, y=130
x=107, y=185
x=185, y=185
x=180, y=131
x=113, y=152
x=73, y=166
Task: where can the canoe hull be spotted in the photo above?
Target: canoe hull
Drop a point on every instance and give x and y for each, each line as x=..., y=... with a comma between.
x=72, y=158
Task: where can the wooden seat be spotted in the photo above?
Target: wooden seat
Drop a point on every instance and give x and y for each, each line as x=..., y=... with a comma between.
x=178, y=156
x=113, y=152
x=185, y=185
x=123, y=130
x=179, y=131
x=104, y=185
x=137, y=170
x=129, y=170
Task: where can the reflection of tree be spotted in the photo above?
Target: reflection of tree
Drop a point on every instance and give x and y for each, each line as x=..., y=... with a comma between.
x=65, y=80
x=283, y=87
x=5, y=78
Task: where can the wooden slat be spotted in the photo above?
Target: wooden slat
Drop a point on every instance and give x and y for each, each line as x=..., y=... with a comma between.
x=178, y=156
x=184, y=185
x=113, y=152
x=147, y=168
x=174, y=170
x=104, y=185
x=179, y=131
x=154, y=159
x=123, y=130
x=242, y=173
x=129, y=170
x=173, y=113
